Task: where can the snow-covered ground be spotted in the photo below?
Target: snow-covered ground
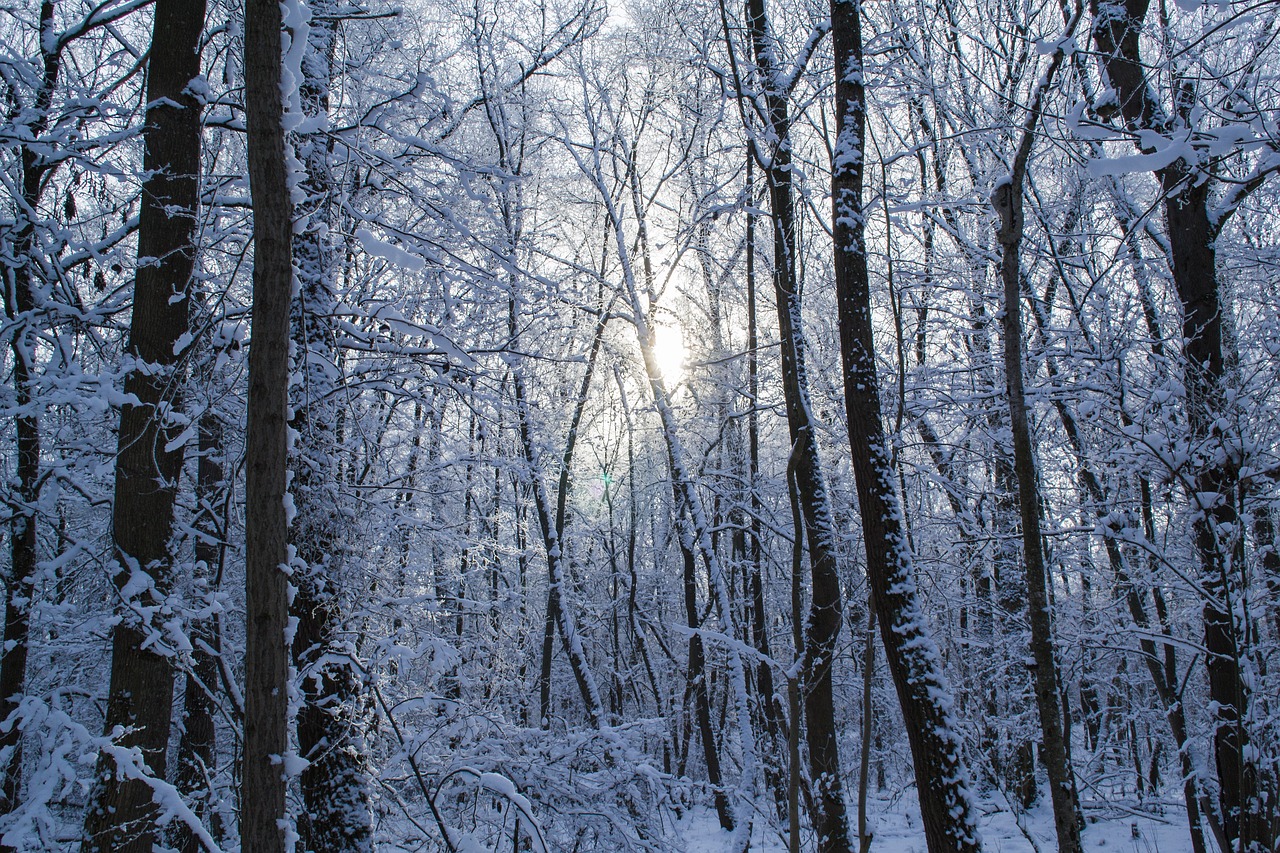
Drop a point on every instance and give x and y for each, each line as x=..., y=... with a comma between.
x=897, y=830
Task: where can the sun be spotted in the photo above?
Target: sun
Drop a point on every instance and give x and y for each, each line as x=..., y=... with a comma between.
x=669, y=352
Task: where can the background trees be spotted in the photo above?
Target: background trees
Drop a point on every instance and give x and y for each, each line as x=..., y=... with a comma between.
x=552, y=466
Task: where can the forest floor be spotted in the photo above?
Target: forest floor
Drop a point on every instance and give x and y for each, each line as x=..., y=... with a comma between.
x=896, y=824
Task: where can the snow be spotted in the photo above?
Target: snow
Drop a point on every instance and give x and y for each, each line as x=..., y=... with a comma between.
x=388, y=252
x=894, y=820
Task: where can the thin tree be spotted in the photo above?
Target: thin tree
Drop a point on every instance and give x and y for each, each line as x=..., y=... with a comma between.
x=1008, y=202
x=197, y=745
x=20, y=308
x=826, y=607
x=914, y=662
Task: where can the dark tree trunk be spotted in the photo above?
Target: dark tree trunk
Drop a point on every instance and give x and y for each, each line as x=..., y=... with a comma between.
x=1246, y=790
x=122, y=813
x=334, y=784
x=914, y=662
x=1007, y=200
x=765, y=691
x=20, y=583
x=266, y=737
x=825, y=614
x=697, y=681
x=20, y=305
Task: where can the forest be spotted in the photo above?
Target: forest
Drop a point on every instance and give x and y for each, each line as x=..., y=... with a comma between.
x=640, y=425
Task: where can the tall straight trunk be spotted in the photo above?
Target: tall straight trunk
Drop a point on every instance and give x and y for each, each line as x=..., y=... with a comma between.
x=1247, y=789
x=825, y=614
x=795, y=771
x=20, y=307
x=769, y=704
x=20, y=582
x=914, y=662
x=262, y=814
x=1007, y=200
x=334, y=783
x=865, y=834
x=122, y=813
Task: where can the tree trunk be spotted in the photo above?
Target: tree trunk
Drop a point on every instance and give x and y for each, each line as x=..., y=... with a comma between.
x=334, y=784
x=1246, y=789
x=697, y=680
x=825, y=614
x=769, y=706
x=140, y=701
x=20, y=305
x=914, y=662
x=266, y=741
x=1007, y=200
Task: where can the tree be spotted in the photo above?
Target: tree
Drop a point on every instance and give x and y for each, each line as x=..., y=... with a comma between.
x=337, y=814
x=149, y=460
x=266, y=742
x=1007, y=200
x=825, y=614
x=20, y=304
x=1195, y=219
x=925, y=698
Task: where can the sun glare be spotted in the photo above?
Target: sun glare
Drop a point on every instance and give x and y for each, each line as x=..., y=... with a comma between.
x=669, y=351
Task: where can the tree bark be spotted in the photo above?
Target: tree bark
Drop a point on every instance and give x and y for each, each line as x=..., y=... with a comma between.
x=825, y=613
x=262, y=816
x=20, y=305
x=1247, y=791
x=1007, y=200
x=140, y=700
x=941, y=777
x=334, y=784
x=769, y=704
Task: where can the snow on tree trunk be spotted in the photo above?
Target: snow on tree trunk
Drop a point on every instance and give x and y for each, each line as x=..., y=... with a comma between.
x=941, y=778
x=148, y=463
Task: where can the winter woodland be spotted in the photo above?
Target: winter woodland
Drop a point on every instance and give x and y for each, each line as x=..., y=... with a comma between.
x=707, y=425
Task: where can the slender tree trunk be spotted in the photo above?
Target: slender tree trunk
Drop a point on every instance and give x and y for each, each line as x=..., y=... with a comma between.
x=20, y=583
x=552, y=544
x=794, y=710
x=196, y=746
x=825, y=615
x=865, y=835
x=1247, y=790
x=21, y=307
x=914, y=662
x=262, y=815
x=697, y=680
x=122, y=813
x=769, y=704
x=1007, y=200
